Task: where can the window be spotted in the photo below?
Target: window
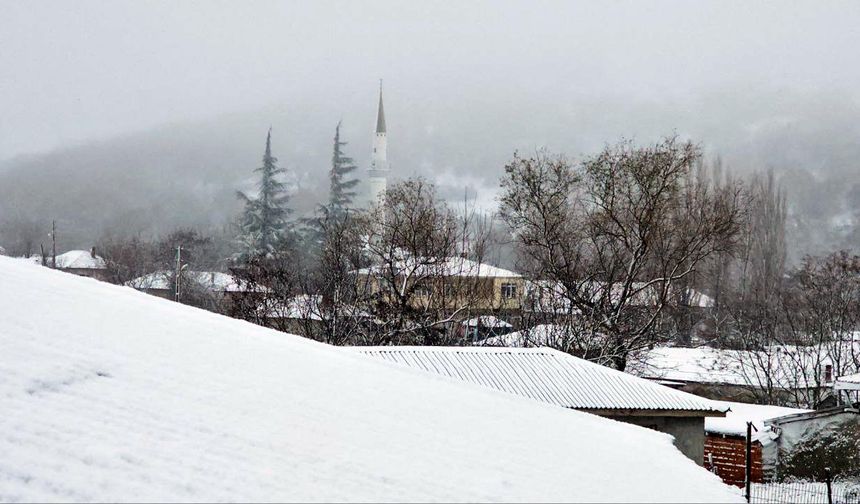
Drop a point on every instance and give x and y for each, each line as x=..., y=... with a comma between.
x=509, y=291
x=828, y=373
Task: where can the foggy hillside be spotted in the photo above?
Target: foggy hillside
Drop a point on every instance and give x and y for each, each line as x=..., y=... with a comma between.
x=138, y=117
x=186, y=174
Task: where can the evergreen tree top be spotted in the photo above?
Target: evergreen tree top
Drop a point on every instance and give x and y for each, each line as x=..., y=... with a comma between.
x=340, y=190
x=263, y=225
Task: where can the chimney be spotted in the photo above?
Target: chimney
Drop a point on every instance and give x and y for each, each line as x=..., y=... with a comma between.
x=93, y=252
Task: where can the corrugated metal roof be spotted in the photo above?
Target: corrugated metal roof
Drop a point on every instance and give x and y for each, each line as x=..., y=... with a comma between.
x=545, y=375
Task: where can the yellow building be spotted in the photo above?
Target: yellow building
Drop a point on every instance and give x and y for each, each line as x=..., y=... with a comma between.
x=451, y=283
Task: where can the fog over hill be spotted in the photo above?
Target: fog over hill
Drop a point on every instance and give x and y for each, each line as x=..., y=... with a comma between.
x=186, y=174
x=139, y=117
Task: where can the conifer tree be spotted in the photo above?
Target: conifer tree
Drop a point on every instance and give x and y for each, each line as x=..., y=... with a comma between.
x=263, y=225
x=341, y=191
x=341, y=194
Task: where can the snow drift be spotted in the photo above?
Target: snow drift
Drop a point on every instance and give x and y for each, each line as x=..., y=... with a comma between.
x=108, y=394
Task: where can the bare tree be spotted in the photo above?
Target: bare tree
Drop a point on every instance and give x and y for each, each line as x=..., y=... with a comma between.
x=822, y=314
x=614, y=235
x=425, y=267
x=126, y=258
x=332, y=299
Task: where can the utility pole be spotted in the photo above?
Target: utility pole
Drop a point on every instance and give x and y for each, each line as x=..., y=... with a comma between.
x=54, y=244
x=178, y=279
x=748, y=463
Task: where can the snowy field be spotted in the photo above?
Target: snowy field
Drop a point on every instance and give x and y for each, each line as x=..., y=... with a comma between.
x=108, y=394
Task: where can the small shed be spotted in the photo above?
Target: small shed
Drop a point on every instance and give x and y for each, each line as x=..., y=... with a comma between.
x=485, y=326
x=557, y=378
x=725, y=441
x=807, y=442
x=848, y=386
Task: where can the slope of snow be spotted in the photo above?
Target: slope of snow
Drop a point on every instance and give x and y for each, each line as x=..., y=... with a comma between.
x=113, y=395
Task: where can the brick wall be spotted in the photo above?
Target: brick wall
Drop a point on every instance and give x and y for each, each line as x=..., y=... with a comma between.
x=726, y=456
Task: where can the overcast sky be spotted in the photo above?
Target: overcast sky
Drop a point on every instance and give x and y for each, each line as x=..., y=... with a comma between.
x=73, y=71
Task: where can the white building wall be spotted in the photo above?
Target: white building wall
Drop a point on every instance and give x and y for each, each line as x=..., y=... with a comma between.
x=377, y=179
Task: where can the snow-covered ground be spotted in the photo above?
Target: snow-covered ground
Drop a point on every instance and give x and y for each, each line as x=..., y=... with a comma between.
x=108, y=394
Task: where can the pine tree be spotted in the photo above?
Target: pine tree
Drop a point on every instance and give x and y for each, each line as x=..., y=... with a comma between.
x=341, y=196
x=263, y=225
x=341, y=191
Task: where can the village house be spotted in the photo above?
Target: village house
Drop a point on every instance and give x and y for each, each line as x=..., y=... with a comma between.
x=84, y=263
x=452, y=284
x=210, y=289
x=305, y=314
x=563, y=380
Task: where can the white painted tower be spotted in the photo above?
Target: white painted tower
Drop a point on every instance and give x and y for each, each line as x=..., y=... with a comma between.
x=377, y=175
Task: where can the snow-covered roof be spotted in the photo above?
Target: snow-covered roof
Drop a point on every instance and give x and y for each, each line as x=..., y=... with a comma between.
x=211, y=280
x=305, y=307
x=698, y=299
x=489, y=321
x=135, y=397
x=546, y=375
x=73, y=259
x=848, y=382
x=541, y=335
x=735, y=421
x=852, y=378
x=443, y=267
x=697, y=365
x=80, y=259
x=736, y=367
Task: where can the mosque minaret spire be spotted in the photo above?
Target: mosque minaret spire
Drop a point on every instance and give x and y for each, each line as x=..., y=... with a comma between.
x=377, y=176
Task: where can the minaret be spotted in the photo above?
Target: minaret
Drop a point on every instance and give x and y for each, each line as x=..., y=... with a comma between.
x=377, y=175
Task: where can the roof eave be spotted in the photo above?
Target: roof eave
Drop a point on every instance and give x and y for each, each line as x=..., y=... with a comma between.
x=641, y=412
